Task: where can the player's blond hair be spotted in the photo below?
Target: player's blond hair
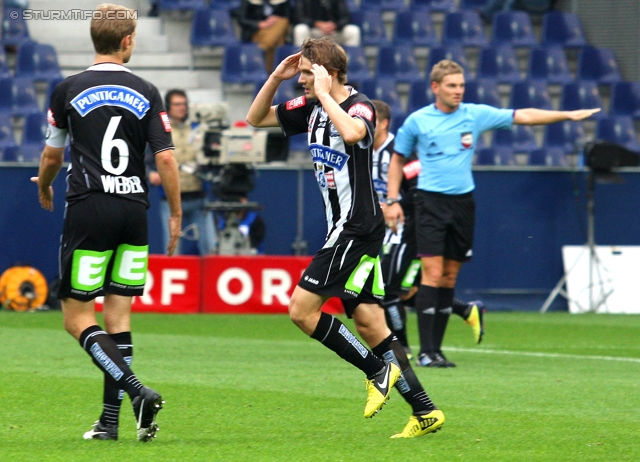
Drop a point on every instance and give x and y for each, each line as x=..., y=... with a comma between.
x=109, y=25
x=326, y=52
x=444, y=68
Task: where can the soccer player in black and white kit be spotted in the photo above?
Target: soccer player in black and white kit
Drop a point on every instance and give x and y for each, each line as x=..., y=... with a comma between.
x=399, y=260
x=109, y=115
x=340, y=123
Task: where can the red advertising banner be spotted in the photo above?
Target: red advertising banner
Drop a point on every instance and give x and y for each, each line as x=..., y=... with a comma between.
x=222, y=284
x=173, y=286
x=253, y=284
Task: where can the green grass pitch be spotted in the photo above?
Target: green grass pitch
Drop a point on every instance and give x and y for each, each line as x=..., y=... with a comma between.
x=552, y=387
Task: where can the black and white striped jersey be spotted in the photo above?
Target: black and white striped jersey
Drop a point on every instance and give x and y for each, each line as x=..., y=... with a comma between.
x=381, y=159
x=110, y=115
x=343, y=172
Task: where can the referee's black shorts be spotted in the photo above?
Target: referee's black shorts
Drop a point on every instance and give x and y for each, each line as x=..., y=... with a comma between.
x=349, y=270
x=104, y=248
x=444, y=224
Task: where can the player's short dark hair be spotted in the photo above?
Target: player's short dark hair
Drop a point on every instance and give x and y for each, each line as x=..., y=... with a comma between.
x=326, y=52
x=109, y=25
x=171, y=93
x=444, y=68
x=383, y=111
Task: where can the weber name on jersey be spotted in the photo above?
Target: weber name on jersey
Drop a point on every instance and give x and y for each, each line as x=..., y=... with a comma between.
x=114, y=113
x=343, y=172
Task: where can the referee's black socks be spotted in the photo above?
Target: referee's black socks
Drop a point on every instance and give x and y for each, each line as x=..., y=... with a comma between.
x=338, y=338
x=426, y=302
x=106, y=355
x=408, y=384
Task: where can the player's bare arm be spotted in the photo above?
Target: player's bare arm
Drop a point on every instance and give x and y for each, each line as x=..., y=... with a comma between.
x=50, y=164
x=393, y=213
x=533, y=116
x=327, y=89
x=168, y=170
x=262, y=113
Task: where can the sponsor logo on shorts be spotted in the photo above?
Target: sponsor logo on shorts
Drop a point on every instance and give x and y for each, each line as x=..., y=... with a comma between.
x=310, y=280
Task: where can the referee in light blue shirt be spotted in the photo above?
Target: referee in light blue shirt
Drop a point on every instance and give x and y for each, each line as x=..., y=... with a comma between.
x=445, y=135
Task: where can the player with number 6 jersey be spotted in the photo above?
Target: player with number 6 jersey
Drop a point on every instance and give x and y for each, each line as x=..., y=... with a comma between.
x=108, y=116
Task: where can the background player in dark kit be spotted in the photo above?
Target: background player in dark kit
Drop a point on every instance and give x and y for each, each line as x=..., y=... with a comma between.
x=109, y=115
x=340, y=123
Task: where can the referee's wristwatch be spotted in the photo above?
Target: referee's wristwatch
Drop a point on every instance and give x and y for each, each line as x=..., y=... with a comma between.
x=390, y=201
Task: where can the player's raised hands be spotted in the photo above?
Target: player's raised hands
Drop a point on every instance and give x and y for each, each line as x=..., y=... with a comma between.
x=288, y=67
x=322, y=79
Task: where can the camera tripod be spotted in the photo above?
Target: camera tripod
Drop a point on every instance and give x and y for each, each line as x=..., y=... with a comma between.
x=598, y=294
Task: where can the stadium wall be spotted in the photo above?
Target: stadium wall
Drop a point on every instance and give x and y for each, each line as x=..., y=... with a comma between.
x=524, y=217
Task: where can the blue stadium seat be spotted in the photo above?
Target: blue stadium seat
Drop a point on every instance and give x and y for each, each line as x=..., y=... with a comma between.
x=482, y=91
x=396, y=122
x=530, y=93
x=501, y=156
x=581, y=94
x=357, y=65
x=10, y=153
x=285, y=50
x=384, y=5
x=212, y=28
x=398, y=62
x=414, y=28
x=37, y=61
x=472, y=4
x=548, y=157
x=550, y=64
x=288, y=90
x=420, y=95
x=513, y=28
x=598, y=64
x=499, y=63
x=521, y=138
x=618, y=130
x=51, y=85
x=567, y=135
x=7, y=139
x=225, y=4
x=6, y=94
x=383, y=89
x=352, y=5
x=463, y=28
x=372, y=30
x=181, y=5
x=451, y=52
x=5, y=70
x=299, y=142
x=33, y=131
x=443, y=6
x=243, y=63
x=562, y=29
x=625, y=99
x=24, y=95
x=14, y=31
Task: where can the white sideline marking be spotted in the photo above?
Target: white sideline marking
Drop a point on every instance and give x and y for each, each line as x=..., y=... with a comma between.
x=544, y=355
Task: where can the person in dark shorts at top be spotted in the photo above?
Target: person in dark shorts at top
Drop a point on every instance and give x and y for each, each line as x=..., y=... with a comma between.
x=399, y=261
x=340, y=123
x=444, y=134
x=109, y=115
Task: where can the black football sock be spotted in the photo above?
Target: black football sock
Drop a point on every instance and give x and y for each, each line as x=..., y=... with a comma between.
x=396, y=318
x=408, y=384
x=426, y=301
x=443, y=311
x=113, y=394
x=106, y=355
x=338, y=338
x=461, y=308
